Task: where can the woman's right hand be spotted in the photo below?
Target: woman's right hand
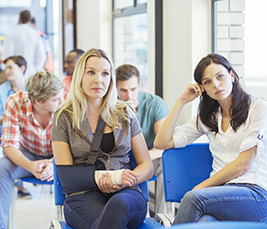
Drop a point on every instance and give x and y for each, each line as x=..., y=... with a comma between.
x=191, y=92
x=106, y=186
x=164, y=138
x=129, y=178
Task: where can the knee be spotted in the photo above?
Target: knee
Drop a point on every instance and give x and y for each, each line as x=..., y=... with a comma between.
x=127, y=203
x=5, y=168
x=120, y=203
x=191, y=197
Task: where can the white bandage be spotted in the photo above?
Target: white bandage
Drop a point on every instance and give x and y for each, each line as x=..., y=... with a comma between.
x=115, y=176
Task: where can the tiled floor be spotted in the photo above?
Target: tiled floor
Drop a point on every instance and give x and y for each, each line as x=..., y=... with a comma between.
x=37, y=212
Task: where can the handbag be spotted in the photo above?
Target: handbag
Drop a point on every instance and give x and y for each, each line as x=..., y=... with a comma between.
x=78, y=179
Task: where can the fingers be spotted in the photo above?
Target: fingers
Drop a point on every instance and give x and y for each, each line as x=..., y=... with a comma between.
x=51, y=178
x=196, y=88
x=105, y=184
x=47, y=172
x=129, y=178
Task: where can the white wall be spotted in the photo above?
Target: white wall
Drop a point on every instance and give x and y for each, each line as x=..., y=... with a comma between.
x=186, y=39
x=94, y=25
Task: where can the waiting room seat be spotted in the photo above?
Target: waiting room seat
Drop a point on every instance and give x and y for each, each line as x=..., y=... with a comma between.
x=155, y=179
x=221, y=225
x=59, y=223
x=183, y=169
x=32, y=180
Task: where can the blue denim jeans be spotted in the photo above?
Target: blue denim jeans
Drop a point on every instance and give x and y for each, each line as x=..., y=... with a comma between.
x=229, y=202
x=120, y=210
x=8, y=173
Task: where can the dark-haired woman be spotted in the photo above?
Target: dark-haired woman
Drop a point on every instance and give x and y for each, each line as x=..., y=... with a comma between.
x=236, y=126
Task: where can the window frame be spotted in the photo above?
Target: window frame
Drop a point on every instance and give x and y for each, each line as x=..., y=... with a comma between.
x=136, y=9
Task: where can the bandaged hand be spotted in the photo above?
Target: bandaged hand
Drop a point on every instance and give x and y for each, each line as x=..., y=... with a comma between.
x=123, y=177
x=115, y=176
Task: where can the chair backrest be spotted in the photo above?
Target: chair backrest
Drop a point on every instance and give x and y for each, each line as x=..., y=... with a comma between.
x=35, y=180
x=143, y=186
x=221, y=225
x=184, y=168
x=60, y=197
x=58, y=190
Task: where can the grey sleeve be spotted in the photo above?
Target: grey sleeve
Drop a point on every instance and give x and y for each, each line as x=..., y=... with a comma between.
x=135, y=127
x=60, y=128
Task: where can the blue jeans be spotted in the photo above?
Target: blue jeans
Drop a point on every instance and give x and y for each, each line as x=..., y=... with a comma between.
x=229, y=202
x=8, y=173
x=120, y=210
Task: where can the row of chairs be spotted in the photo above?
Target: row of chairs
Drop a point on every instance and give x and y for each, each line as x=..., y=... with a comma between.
x=183, y=168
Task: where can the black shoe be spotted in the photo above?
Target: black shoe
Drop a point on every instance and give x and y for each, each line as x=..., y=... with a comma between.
x=23, y=193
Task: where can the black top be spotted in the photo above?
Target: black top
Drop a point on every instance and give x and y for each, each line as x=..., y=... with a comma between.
x=108, y=142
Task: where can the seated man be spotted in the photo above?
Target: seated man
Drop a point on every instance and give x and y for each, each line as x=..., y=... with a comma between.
x=69, y=66
x=152, y=112
x=15, y=69
x=26, y=135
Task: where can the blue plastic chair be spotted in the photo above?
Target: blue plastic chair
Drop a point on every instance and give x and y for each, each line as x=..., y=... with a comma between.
x=32, y=180
x=183, y=168
x=221, y=225
x=59, y=223
x=155, y=179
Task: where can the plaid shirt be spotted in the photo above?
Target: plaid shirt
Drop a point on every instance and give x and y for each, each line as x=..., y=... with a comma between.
x=20, y=126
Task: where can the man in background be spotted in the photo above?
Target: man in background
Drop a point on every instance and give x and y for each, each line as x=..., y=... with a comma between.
x=69, y=66
x=151, y=112
x=3, y=77
x=49, y=65
x=25, y=41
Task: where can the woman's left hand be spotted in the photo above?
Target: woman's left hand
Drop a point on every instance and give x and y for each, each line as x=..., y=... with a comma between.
x=106, y=186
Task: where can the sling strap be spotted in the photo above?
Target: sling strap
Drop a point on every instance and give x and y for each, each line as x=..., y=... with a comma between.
x=97, y=139
x=79, y=179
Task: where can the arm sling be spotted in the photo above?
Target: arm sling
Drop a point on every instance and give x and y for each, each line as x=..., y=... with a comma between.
x=78, y=179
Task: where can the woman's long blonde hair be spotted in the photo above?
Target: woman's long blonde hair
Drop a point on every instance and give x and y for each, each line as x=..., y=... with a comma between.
x=113, y=111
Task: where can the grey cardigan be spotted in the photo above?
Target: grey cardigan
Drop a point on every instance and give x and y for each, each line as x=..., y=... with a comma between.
x=116, y=159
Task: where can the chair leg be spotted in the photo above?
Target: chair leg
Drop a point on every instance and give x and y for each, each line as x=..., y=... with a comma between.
x=155, y=203
x=59, y=213
x=51, y=189
x=12, y=216
x=147, y=213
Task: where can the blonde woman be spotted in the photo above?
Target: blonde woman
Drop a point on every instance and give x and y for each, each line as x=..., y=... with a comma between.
x=117, y=202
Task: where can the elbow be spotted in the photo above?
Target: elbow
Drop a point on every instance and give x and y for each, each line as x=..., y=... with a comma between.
x=161, y=145
x=158, y=144
x=242, y=169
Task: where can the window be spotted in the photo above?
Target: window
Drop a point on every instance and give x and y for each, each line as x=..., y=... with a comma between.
x=240, y=35
x=130, y=36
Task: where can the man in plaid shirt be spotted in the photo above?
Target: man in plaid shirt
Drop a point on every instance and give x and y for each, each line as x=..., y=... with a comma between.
x=26, y=135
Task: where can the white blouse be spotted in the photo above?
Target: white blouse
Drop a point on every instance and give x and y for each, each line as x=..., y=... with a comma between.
x=226, y=146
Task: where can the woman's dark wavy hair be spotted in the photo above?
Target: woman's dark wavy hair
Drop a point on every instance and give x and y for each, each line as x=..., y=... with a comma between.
x=209, y=107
